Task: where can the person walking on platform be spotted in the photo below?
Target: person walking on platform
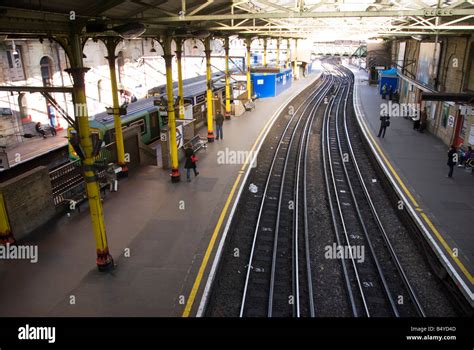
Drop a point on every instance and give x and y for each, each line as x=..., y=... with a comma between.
x=452, y=160
x=190, y=163
x=390, y=92
x=384, y=123
x=219, y=125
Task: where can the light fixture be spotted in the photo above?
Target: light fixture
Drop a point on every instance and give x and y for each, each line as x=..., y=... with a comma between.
x=130, y=30
x=153, y=46
x=14, y=50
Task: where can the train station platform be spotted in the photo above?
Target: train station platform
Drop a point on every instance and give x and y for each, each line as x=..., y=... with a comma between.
x=162, y=236
x=34, y=147
x=416, y=164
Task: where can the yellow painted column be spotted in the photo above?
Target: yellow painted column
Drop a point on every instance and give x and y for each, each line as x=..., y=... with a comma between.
x=249, y=81
x=227, y=79
x=295, y=62
x=210, y=114
x=104, y=259
x=278, y=53
x=264, y=52
x=111, y=44
x=288, y=53
x=179, y=52
x=175, y=176
x=6, y=236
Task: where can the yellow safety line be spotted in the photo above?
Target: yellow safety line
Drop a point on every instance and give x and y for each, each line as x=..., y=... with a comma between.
x=446, y=246
x=197, y=282
x=205, y=260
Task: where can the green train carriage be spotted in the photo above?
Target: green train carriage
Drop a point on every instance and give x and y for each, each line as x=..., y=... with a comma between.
x=142, y=112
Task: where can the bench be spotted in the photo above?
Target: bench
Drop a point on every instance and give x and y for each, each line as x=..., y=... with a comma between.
x=196, y=142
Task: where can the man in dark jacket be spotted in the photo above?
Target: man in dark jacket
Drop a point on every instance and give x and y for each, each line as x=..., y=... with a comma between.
x=452, y=160
x=39, y=129
x=384, y=123
x=219, y=124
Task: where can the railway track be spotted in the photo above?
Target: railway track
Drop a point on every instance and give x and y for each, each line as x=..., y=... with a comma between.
x=315, y=192
x=279, y=262
x=375, y=280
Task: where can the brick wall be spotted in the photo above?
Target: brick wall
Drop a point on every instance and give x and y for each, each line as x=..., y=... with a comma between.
x=28, y=200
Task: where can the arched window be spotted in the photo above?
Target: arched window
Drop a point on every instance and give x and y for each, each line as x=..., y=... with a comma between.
x=46, y=65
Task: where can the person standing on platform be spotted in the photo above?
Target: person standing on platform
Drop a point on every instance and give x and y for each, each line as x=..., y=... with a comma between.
x=384, y=91
x=384, y=123
x=452, y=160
x=219, y=126
x=423, y=121
x=390, y=92
x=190, y=163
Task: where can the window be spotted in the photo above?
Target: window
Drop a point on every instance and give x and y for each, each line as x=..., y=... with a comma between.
x=140, y=122
x=15, y=64
x=445, y=116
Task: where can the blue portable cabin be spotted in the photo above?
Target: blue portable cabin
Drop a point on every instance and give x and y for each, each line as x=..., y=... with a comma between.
x=388, y=77
x=271, y=84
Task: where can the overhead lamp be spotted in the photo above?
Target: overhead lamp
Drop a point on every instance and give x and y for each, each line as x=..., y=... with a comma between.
x=14, y=50
x=130, y=30
x=417, y=37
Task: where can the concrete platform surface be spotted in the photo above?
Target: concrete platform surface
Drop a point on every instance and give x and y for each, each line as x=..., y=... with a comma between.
x=420, y=161
x=31, y=148
x=157, y=232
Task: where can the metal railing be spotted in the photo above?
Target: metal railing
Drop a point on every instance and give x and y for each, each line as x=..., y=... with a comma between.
x=67, y=181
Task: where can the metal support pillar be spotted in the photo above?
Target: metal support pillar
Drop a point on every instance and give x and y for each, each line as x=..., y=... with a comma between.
x=227, y=79
x=175, y=176
x=179, y=52
x=295, y=62
x=104, y=259
x=287, y=53
x=264, y=52
x=278, y=53
x=209, y=103
x=249, y=58
x=111, y=45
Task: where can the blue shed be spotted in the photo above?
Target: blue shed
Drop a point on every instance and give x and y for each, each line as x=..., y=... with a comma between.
x=271, y=84
x=388, y=77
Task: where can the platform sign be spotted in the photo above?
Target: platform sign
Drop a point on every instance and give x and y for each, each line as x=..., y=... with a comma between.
x=451, y=121
x=179, y=136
